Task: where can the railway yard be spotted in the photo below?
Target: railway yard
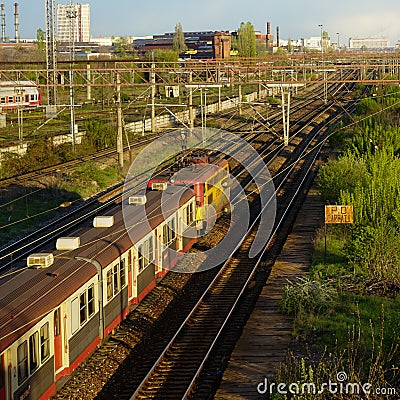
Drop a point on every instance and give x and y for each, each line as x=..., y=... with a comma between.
x=140, y=310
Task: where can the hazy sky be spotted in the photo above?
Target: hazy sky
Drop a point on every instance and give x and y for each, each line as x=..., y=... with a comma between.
x=296, y=19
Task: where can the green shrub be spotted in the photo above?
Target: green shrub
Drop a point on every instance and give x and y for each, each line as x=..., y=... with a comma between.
x=307, y=295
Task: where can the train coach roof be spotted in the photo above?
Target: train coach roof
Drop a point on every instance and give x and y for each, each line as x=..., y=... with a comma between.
x=130, y=226
x=29, y=295
x=17, y=84
x=26, y=297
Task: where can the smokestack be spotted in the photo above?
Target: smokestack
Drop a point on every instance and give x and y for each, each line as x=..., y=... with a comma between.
x=16, y=23
x=3, y=24
x=268, y=34
x=277, y=36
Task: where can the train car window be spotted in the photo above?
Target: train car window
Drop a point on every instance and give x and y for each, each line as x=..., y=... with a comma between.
x=116, y=279
x=151, y=250
x=122, y=273
x=74, y=315
x=109, y=285
x=210, y=198
x=82, y=308
x=44, y=342
x=1, y=372
x=57, y=322
x=33, y=352
x=189, y=214
x=11, y=99
x=91, y=300
x=3, y=100
x=32, y=97
x=145, y=254
x=22, y=354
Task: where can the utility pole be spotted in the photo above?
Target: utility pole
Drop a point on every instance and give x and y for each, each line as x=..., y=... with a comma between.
x=72, y=14
x=191, y=110
x=120, y=149
x=153, y=95
x=51, y=59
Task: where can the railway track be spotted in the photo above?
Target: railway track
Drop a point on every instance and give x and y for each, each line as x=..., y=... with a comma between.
x=54, y=169
x=174, y=374
x=19, y=249
x=133, y=367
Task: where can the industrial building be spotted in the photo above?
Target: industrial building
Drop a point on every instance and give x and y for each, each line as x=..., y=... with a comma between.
x=207, y=44
x=73, y=19
x=369, y=43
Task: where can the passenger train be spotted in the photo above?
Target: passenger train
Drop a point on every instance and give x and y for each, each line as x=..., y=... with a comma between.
x=60, y=307
x=15, y=94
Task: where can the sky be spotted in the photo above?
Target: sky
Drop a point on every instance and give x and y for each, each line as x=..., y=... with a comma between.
x=296, y=19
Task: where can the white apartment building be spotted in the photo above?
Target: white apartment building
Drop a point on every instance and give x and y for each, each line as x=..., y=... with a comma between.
x=73, y=19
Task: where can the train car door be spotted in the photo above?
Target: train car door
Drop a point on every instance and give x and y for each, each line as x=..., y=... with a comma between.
x=130, y=269
x=2, y=379
x=58, y=362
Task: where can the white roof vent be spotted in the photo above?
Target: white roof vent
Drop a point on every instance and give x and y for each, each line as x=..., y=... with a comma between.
x=140, y=200
x=68, y=243
x=103, y=221
x=159, y=185
x=40, y=260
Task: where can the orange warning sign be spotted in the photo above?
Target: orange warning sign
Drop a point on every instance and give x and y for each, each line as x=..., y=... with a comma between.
x=339, y=214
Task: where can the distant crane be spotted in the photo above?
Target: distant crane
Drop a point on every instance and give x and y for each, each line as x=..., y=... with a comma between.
x=51, y=54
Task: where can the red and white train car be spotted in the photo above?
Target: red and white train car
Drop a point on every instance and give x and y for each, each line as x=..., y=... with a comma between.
x=15, y=94
x=56, y=311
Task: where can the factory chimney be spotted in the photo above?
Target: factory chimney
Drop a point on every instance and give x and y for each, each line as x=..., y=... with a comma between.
x=3, y=24
x=16, y=23
x=269, y=38
x=277, y=36
x=268, y=33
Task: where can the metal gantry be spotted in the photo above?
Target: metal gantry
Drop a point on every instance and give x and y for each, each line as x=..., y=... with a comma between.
x=51, y=55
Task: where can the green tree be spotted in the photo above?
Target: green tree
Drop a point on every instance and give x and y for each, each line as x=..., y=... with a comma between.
x=289, y=46
x=122, y=46
x=178, y=42
x=325, y=42
x=246, y=40
x=162, y=55
x=41, y=44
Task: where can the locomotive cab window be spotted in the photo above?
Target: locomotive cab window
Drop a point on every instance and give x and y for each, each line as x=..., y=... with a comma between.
x=189, y=214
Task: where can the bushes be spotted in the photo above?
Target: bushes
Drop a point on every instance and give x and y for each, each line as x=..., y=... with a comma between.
x=307, y=295
x=347, y=172
x=368, y=177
